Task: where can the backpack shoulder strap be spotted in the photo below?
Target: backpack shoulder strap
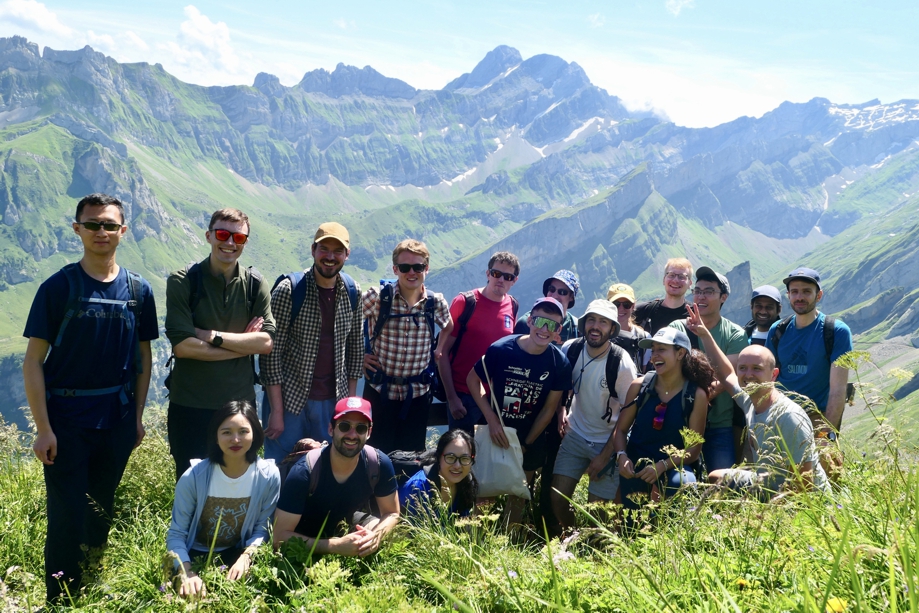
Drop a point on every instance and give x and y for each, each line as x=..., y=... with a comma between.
x=297, y=292
x=254, y=283
x=136, y=305
x=372, y=465
x=515, y=305
x=613, y=361
x=74, y=297
x=829, y=336
x=463, y=319
x=430, y=311
x=313, y=463
x=574, y=350
x=780, y=330
x=688, y=399
x=351, y=288
x=647, y=382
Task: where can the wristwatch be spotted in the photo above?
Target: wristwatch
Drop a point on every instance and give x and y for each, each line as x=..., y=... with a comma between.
x=218, y=340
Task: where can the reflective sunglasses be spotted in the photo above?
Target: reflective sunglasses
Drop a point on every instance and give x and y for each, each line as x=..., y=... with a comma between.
x=545, y=322
x=95, y=226
x=497, y=274
x=404, y=268
x=345, y=427
x=464, y=460
x=224, y=235
x=560, y=291
x=624, y=305
x=659, y=412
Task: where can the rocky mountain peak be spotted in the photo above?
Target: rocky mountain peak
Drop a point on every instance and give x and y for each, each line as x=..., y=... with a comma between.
x=495, y=63
x=269, y=85
x=353, y=81
x=19, y=53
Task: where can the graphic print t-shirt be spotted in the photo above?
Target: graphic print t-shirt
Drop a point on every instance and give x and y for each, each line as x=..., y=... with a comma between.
x=522, y=381
x=225, y=510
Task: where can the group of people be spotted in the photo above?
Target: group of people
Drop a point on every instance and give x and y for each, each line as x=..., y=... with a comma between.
x=612, y=394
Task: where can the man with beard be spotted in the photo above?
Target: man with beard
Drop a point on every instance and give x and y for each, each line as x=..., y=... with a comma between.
x=301, y=389
x=806, y=345
x=595, y=402
x=333, y=484
x=765, y=306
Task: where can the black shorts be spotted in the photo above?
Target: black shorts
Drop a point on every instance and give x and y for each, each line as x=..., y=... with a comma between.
x=535, y=455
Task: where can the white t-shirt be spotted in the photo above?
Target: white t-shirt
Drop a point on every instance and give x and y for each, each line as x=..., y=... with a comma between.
x=593, y=411
x=227, y=500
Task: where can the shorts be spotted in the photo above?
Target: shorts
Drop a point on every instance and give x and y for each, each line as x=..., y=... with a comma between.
x=535, y=455
x=575, y=456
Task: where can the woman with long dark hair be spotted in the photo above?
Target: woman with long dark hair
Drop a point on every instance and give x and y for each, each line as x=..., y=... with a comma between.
x=223, y=504
x=447, y=472
x=658, y=406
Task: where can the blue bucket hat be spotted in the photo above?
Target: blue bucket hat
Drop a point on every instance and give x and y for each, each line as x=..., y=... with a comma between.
x=568, y=278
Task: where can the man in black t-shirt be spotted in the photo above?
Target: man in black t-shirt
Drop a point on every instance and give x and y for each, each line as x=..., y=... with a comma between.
x=656, y=314
x=347, y=478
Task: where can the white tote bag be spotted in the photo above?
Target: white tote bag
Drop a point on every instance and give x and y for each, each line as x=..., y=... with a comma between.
x=499, y=471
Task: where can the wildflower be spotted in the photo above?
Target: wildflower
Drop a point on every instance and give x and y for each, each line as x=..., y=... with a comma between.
x=58, y=574
x=511, y=574
x=810, y=547
x=717, y=517
x=224, y=567
x=838, y=506
x=162, y=587
x=742, y=583
x=836, y=605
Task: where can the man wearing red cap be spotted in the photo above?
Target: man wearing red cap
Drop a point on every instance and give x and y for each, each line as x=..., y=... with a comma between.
x=334, y=484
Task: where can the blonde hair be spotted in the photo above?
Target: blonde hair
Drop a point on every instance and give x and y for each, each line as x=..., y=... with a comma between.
x=679, y=263
x=412, y=246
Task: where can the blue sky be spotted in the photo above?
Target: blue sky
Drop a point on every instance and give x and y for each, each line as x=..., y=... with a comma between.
x=700, y=62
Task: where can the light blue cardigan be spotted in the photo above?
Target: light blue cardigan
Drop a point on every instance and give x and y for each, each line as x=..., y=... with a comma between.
x=191, y=494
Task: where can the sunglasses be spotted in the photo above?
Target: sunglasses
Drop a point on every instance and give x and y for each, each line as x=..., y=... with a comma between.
x=464, y=460
x=404, y=268
x=545, y=322
x=624, y=305
x=497, y=274
x=561, y=292
x=95, y=226
x=224, y=235
x=345, y=427
x=659, y=412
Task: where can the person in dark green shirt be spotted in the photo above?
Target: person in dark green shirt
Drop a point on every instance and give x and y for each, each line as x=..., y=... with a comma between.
x=214, y=328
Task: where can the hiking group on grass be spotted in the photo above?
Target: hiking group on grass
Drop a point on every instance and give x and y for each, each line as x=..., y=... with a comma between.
x=643, y=398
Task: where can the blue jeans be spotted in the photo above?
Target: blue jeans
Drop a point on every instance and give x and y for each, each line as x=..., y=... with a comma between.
x=718, y=448
x=473, y=415
x=312, y=422
x=668, y=484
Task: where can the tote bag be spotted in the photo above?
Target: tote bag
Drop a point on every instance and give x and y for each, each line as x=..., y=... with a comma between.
x=498, y=471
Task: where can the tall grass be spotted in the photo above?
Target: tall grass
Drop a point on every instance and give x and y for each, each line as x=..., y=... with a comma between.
x=855, y=551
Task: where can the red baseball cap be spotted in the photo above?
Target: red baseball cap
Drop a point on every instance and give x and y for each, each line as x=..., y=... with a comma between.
x=352, y=404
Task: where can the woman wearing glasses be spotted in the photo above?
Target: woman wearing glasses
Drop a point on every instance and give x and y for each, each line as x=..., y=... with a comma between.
x=630, y=333
x=447, y=471
x=223, y=504
x=657, y=407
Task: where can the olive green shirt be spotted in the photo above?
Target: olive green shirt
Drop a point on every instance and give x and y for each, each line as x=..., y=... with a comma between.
x=221, y=306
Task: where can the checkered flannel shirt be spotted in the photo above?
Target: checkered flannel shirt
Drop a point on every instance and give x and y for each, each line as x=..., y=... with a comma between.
x=404, y=344
x=291, y=361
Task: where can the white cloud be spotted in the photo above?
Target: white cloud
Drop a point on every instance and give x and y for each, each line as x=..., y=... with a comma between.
x=136, y=41
x=344, y=24
x=101, y=42
x=596, y=20
x=675, y=6
x=34, y=17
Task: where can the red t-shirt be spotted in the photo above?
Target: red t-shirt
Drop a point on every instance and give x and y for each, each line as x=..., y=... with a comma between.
x=490, y=321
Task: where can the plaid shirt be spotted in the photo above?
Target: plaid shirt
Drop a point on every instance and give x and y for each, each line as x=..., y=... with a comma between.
x=404, y=344
x=290, y=363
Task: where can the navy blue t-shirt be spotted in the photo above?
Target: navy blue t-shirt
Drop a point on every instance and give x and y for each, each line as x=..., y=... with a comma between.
x=522, y=381
x=338, y=501
x=97, y=350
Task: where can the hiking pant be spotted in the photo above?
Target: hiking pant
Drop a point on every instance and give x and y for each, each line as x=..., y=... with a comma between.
x=186, y=428
x=390, y=431
x=312, y=422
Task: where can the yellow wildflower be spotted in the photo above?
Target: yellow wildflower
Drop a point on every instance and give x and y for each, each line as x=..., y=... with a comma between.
x=836, y=605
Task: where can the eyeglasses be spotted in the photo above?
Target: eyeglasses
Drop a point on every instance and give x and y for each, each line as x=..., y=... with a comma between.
x=560, y=291
x=345, y=427
x=545, y=322
x=659, y=412
x=707, y=292
x=497, y=274
x=676, y=276
x=95, y=226
x=224, y=235
x=624, y=305
x=404, y=268
x=464, y=460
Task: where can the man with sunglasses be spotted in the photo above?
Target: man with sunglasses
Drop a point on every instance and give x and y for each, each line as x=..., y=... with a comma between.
x=302, y=389
x=87, y=398
x=480, y=317
x=630, y=333
x=709, y=295
x=527, y=375
x=400, y=358
x=218, y=314
x=333, y=485
x=563, y=286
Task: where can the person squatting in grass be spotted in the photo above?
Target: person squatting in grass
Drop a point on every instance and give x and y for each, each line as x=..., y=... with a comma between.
x=87, y=398
x=446, y=476
x=333, y=485
x=648, y=425
x=528, y=374
x=224, y=503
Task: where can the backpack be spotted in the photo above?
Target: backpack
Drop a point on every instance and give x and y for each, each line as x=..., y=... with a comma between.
x=298, y=291
x=651, y=309
x=829, y=339
x=196, y=279
x=460, y=323
x=429, y=375
x=74, y=299
x=314, y=459
x=613, y=360
x=407, y=463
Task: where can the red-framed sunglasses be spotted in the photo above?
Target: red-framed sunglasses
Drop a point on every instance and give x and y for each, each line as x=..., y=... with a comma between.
x=659, y=412
x=224, y=235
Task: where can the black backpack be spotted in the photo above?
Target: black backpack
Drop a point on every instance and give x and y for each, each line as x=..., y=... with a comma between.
x=829, y=339
x=613, y=360
x=314, y=458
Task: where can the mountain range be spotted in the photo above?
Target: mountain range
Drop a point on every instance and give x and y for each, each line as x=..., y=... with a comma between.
x=519, y=154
